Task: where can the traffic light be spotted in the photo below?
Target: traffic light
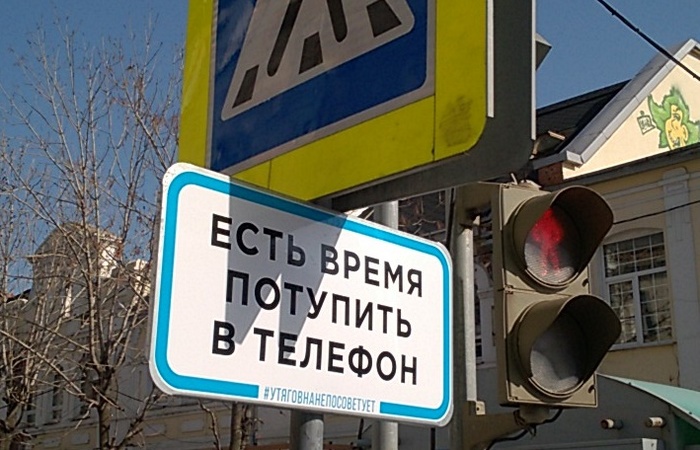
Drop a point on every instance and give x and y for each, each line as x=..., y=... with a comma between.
x=551, y=334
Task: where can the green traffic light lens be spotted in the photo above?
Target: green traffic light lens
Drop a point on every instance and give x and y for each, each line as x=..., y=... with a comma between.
x=552, y=248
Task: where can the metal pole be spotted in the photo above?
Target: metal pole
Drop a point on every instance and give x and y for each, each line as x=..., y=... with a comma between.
x=385, y=435
x=306, y=431
x=464, y=376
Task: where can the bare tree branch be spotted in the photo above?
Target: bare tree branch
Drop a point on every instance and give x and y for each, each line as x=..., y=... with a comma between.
x=88, y=140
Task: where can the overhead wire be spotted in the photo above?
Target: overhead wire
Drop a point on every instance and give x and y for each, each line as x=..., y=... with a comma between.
x=647, y=38
x=656, y=213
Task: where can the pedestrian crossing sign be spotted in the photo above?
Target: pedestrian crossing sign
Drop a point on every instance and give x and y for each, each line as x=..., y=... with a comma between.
x=312, y=97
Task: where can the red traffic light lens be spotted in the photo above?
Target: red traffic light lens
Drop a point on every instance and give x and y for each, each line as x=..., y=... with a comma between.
x=552, y=248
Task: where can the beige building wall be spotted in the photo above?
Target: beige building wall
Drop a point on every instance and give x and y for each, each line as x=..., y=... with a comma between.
x=657, y=364
x=659, y=200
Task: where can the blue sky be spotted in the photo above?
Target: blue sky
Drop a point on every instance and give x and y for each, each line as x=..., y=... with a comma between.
x=95, y=19
x=591, y=48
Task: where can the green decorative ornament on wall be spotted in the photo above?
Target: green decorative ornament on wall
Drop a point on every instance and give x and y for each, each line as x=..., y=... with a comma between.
x=672, y=119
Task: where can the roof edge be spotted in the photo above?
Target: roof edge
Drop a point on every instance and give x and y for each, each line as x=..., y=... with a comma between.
x=652, y=162
x=588, y=140
x=564, y=156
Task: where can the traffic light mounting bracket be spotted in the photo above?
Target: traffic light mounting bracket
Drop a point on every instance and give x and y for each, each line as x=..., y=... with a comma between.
x=481, y=429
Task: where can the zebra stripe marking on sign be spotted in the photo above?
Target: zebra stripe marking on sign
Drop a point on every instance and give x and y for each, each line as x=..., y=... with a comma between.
x=288, y=43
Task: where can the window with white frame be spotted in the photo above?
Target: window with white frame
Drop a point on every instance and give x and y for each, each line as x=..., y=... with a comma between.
x=56, y=399
x=30, y=411
x=637, y=286
x=83, y=404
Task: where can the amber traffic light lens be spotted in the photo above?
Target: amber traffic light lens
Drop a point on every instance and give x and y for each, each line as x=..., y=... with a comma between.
x=552, y=252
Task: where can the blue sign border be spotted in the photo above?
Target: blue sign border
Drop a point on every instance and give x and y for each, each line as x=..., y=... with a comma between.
x=381, y=75
x=250, y=391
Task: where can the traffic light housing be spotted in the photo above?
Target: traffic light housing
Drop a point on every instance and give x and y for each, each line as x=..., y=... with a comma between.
x=551, y=334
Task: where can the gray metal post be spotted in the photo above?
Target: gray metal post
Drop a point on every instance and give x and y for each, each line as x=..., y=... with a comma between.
x=387, y=214
x=306, y=430
x=464, y=373
x=385, y=435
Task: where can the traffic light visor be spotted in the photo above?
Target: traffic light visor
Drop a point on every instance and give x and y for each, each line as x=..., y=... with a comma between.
x=555, y=235
x=560, y=343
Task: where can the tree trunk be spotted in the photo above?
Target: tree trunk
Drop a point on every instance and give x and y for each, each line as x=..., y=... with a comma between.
x=104, y=411
x=240, y=426
x=6, y=441
x=9, y=434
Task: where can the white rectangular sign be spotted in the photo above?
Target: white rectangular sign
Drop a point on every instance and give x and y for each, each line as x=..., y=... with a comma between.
x=267, y=300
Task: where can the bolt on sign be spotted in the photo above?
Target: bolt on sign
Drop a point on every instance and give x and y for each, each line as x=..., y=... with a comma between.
x=273, y=301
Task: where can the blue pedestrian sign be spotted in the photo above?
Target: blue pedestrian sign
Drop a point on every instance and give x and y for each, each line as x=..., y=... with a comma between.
x=288, y=72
